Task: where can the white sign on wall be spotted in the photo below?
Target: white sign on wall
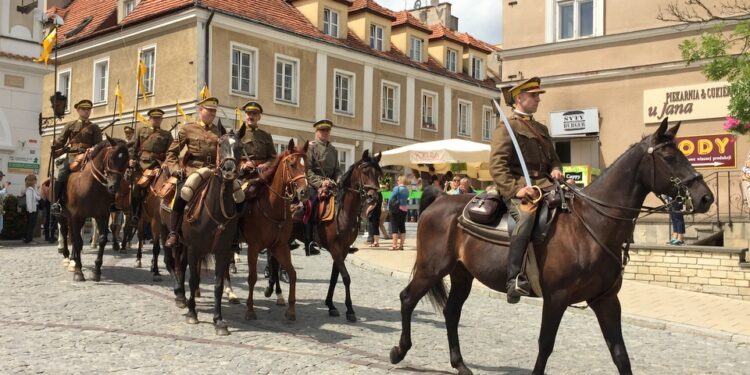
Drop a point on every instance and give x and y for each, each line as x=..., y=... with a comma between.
x=694, y=102
x=574, y=122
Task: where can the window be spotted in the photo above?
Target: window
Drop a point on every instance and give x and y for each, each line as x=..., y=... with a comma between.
x=343, y=92
x=346, y=155
x=563, y=151
x=280, y=143
x=376, y=37
x=101, y=75
x=244, y=62
x=415, y=49
x=331, y=23
x=128, y=7
x=429, y=110
x=148, y=55
x=575, y=19
x=477, y=68
x=63, y=85
x=450, y=60
x=464, y=118
x=487, y=123
x=389, y=103
x=286, y=80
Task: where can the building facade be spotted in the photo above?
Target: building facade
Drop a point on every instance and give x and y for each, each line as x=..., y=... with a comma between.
x=384, y=78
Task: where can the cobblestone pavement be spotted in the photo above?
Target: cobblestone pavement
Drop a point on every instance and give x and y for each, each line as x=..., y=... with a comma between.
x=129, y=324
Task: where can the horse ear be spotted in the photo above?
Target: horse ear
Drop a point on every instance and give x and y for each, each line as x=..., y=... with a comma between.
x=377, y=158
x=304, y=148
x=111, y=141
x=662, y=128
x=671, y=133
x=366, y=155
x=290, y=146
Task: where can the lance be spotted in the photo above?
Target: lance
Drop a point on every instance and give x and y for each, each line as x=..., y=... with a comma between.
x=114, y=112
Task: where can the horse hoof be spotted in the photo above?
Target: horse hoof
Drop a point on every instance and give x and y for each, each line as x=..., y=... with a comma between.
x=351, y=317
x=290, y=315
x=191, y=319
x=333, y=312
x=78, y=276
x=97, y=277
x=180, y=303
x=396, y=356
x=280, y=301
x=138, y=264
x=268, y=292
x=233, y=269
x=463, y=370
x=222, y=331
x=65, y=262
x=234, y=300
x=157, y=278
x=250, y=315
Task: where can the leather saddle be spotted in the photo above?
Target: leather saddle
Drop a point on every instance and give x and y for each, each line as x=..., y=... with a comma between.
x=79, y=162
x=327, y=209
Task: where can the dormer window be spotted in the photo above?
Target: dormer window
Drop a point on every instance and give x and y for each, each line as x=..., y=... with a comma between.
x=477, y=68
x=376, y=37
x=127, y=7
x=451, y=59
x=415, y=49
x=331, y=22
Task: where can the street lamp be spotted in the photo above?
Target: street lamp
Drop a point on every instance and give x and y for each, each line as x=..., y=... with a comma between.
x=58, y=102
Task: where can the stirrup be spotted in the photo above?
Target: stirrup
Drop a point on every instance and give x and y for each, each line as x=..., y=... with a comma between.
x=517, y=288
x=56, y=209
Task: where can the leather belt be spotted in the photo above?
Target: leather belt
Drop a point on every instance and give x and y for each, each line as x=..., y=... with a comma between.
x=533, y=173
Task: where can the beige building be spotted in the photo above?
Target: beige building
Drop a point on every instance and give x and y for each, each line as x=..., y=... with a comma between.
x=610, y=79
x=385, y=78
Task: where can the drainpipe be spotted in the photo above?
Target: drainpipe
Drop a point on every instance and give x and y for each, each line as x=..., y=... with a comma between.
x=207, y=30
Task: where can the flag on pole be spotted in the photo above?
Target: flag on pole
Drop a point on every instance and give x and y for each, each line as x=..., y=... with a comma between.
x=204, y=91
x=141, y=119
x=120, y=101
x=47, y=45
x=141, y=75
x=182, y=112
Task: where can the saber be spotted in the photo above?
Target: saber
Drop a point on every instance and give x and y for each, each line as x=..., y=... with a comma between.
x=515, y=143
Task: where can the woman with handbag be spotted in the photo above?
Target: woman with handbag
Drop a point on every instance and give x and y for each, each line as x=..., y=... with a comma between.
x=397, y=208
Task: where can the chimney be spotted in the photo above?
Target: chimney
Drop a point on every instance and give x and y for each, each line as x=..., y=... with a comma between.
x=436, y=14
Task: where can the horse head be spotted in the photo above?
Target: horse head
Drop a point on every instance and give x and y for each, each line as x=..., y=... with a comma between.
x=112, y=163
x=294, y=164
x=228, y=152
x=364, y=175
x=666, y=170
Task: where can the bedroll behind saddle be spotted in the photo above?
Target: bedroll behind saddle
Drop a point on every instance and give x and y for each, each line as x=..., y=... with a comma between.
x=199, y=178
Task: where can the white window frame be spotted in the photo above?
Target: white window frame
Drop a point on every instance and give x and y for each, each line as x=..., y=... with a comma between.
x=376, y=41
x=253, y=94
x=67, y=92
x=469, y=108
x=420, y=42
x=396, y=102
x=295, y=62
x=152, y=69
x=125, y=10
x=451, y=65
x=347, y=148
x=352, y=92
x=95, y=84
x=281, y=140
x=329, y=27
x=552, y=23
x=477, y=74
x=435, y=112
x=487, y=124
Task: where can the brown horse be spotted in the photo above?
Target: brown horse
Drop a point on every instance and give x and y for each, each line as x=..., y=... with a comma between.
x=150, y=217
x=267, y=222
x=580, y=261
x=339, y=234
x=91, y=193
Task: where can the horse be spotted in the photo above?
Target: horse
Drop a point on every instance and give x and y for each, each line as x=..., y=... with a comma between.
x=581, y=259
x=267, y=223
x=337, y=235
x=98, y=181
x=150, y=216
x=209, y=230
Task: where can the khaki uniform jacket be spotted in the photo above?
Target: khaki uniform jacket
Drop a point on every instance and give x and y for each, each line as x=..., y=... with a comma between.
x=540, y=157
x=79, y=135
x=258, y=145
x=150, y=147
x=196, y=145
x=322, y=163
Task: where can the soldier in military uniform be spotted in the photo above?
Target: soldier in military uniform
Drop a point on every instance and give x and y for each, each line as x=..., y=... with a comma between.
x=540, y=158
x=258, y=150
x=194, y=148
x=323, y=171
x=149, y=152
x=75, y=139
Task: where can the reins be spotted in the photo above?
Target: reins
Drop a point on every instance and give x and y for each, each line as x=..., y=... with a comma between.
x=99, y=176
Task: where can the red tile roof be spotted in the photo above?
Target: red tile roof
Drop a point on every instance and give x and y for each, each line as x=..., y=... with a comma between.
x=404, y=18
x=373, y=7
x=440, y=32
x=16, y=56
x=476, y=43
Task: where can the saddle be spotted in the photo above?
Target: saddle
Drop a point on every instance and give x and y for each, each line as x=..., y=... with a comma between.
x=327, y=209
x=252, y=187
x=79, y=162
x=147, y=177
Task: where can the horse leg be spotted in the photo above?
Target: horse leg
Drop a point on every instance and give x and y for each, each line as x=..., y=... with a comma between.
x=252, y=278
x=103, y=229
x=220, y=272
x=194, y=283
x=608, y=312
x=231, y=297
x=281, y=253
x=277, y=277
x=75, y=226
x=332, y=310
x=341, y=266
x=62, y=240
x=156, y=250
x=552, y=312
x=461, y=281
x=179, y=282
x=419, y=285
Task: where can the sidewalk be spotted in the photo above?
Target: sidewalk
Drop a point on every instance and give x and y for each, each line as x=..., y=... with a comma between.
x=642, y=304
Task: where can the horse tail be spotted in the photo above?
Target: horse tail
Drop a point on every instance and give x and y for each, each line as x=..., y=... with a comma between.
x=429, y=194
x=438, y=296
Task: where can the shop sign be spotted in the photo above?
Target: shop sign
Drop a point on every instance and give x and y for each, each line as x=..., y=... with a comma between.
x=694, y=102
x=576, y=122
x=709, y=151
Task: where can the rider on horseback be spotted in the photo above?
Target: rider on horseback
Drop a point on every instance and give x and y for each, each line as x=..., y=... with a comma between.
x=194, y=148
x=540, y=158
x=258, y=150
x=323, y=172
x=77, y=137
x=148, y=153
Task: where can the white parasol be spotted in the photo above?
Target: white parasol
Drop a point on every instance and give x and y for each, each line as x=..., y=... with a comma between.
x=457, y=155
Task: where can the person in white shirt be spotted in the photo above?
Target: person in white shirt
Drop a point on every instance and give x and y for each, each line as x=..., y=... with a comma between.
x=3, y=193
x=32, y=198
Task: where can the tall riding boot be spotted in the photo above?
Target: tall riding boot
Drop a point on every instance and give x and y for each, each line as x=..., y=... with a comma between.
x=309, y=244
x=175, y=221
x=517, y=284
x=57, y=207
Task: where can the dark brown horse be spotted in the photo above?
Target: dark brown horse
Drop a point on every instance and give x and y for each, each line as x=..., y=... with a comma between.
x=209, y=231
x=267, y=222
x=90, y=193
x=339, y=234
x=150, y=217
x=580, y=261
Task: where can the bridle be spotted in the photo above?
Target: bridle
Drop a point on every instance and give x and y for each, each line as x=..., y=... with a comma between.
x=288, y=192
x=102, y=177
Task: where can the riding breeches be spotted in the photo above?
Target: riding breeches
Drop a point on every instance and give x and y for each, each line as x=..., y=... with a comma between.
x=524, y=219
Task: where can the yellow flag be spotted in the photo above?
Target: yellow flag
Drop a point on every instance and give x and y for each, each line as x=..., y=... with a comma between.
x=141, y=75
x=47, y=45
x=141, y=119
x=204, y=92
x=237, y=118
x=120, y=101
x=182, y=112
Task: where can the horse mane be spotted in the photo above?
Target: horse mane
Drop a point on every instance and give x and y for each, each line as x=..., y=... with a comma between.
x=267, y=175
x=104, y=144
x=346, y=178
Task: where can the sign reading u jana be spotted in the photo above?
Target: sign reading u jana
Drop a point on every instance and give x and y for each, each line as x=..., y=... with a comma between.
x=709, y=151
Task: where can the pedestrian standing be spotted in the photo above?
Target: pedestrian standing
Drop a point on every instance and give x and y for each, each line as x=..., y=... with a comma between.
x=397, y=208
x=678, y=222
x=374, y=204
x=32, y=199
x=3, y=192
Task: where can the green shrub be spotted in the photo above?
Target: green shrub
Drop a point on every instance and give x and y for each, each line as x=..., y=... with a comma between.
x=14, y=219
